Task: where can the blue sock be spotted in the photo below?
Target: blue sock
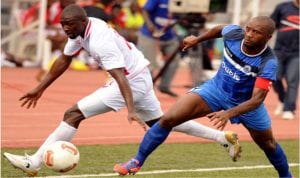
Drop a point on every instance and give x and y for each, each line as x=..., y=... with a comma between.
x=279, y=161
x=152, y=139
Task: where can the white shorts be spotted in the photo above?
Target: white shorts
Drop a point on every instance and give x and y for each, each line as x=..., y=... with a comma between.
x=110, y=98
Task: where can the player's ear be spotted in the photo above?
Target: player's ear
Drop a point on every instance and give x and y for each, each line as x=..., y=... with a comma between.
x=85, y=19
x=269, y=36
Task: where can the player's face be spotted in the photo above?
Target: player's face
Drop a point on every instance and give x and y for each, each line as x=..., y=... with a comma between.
x=255, y=34
x=72, y=27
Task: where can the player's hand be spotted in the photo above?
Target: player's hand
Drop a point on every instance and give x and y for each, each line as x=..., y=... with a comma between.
x=134, y=117
x=189, y=42
x=31, y=98
x=219, y=119
x=151, y=27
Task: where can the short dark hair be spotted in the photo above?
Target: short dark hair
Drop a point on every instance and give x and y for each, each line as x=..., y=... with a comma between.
x=74, y=11
x=269, y=23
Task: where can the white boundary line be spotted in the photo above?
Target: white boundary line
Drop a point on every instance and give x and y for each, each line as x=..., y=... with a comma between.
x=173, y=170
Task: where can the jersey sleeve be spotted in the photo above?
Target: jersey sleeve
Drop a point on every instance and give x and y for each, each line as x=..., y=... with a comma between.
x=232, y=32
x=110, y=55
x=269, y=70
x=72, y=47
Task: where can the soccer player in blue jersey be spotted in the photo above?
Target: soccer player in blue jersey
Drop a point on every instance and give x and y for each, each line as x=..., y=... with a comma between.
x=235, y=94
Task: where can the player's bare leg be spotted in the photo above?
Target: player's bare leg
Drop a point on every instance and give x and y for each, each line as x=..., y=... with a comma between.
x=273, y=151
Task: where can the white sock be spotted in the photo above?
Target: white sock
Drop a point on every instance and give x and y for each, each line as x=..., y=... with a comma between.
x=198, y=130
x=64, y=132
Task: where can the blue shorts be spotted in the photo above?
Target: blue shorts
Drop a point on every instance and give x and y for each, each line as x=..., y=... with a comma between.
x=257, y=119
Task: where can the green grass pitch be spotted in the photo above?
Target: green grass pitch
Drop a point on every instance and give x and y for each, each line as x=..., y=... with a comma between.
x=98, y=161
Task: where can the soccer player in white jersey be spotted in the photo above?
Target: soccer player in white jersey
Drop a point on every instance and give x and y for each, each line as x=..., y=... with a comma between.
x=131, y=86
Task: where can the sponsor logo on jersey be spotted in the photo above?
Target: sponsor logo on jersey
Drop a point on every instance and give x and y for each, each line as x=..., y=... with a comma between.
x=229, y=71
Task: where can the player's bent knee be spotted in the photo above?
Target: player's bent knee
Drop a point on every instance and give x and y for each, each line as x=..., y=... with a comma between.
x=167, y=123
x=73, y=116
x=269, y=145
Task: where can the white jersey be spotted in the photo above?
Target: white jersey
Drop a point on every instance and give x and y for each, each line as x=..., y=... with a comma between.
x=109, y=49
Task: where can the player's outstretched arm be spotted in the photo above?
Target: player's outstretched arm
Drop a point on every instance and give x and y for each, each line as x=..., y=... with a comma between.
x=210, y=34
x=119, y=76
x=60, y=65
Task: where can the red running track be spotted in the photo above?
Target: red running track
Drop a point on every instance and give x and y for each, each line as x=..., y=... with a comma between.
x=21, y=127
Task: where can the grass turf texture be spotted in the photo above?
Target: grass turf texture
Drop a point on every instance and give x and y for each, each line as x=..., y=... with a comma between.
x=100, y=159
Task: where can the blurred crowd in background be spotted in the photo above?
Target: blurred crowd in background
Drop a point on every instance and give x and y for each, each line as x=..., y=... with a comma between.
x=124, y=15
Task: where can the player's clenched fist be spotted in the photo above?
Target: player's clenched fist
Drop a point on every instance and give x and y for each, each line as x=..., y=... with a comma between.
x=189, y=42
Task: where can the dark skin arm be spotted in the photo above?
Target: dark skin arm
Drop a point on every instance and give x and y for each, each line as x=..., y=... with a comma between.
x=150, y=25
x=192, y=40
x=119, y=76
x=221, y=118
x=59, y=67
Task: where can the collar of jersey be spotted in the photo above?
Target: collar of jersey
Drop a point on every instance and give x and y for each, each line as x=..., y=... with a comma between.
x=254, y=55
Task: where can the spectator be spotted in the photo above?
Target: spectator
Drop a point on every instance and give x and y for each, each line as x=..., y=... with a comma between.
x=97, y=9
x=286, y=17
x=32, y=13
x=134, y=17
x=118, y=16
x=158, y=19
x=133, y=21
x=9, y=60
x=53, y=28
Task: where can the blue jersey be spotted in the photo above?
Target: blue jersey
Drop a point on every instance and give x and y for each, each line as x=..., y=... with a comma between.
x=235, y=79
x=236, y=76
x=159, y=15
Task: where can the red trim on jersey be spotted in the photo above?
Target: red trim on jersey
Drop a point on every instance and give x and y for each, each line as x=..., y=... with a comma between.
x=125, y=71
x=263, y=83
x=87, y=32
x=77, y=52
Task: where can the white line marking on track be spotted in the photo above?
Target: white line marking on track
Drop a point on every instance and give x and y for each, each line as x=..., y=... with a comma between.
x=172, y=171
